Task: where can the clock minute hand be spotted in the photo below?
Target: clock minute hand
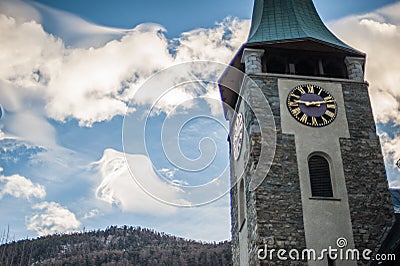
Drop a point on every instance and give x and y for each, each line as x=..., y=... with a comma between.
x=318, y=103
x=310, y=103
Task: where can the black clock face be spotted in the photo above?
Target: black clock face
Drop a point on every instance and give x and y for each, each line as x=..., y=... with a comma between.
x=312, y=105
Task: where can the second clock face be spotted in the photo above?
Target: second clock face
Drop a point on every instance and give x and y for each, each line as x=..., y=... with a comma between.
x=238, y=136
x=312, y=105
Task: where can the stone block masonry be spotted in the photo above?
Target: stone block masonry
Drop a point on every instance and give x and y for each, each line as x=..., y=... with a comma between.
x=274, y=210
x=355, y=68
x=370, y=206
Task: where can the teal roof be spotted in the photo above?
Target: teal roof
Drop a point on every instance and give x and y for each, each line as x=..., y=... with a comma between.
x=287, y=20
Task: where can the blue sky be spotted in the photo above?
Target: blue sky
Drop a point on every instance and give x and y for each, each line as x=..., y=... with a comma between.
x=71, y=70
x=179, y=16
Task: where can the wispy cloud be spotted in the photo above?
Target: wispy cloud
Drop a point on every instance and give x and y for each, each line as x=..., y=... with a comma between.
x=20, y=10
x=120, y=188
x=92, y=213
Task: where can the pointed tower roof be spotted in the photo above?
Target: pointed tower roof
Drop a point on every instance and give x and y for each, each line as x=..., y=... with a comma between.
x=291, y=20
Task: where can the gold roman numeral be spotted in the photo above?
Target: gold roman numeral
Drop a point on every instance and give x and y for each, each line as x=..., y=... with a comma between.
x=330, y=114
x=314, y=121
x=328, y=98
x=293, y=104
x=296, y=111
x=294, y=95
x=303, y=119
x=331, y=106
x=320, y=91
x=301, y=90
x=310, y=88
x=324, y=120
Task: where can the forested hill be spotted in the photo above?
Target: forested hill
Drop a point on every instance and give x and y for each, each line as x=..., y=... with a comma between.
x=115, y=246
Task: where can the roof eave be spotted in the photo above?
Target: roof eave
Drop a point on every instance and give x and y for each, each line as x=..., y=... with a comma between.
x=347, y=50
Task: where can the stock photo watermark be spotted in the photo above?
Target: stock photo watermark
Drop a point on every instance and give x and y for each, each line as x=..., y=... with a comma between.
x=340, y=252
x=185, y=132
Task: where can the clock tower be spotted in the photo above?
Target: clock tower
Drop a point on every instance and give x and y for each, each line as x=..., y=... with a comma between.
x=326, y=186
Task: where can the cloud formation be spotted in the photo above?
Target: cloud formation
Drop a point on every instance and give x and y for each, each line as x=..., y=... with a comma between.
x=93, y=84
x=391, y=149
x=119, y=188
x=20, y=187
x=52, y=218
x=378, y=35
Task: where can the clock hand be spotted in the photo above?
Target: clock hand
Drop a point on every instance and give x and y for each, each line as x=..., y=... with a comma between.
x=309, y=103
x=304, y=102
x=317, y=103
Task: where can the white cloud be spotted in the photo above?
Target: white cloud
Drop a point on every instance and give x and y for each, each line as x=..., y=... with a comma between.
x=94, y=84
x=395, y=184
x=91, y=214
x=391, y=149
x=20, y=187
x=168, y=172
x=27, y=66
x=213, y=99
x=378, y=35
x=119, y=187
x=216, y=44
x=52, y=218
x=391, y=152
x=20, y=10
x=88, y=85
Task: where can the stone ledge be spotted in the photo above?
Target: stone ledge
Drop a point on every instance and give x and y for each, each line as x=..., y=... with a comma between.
x=307, y=77
x=323, y=198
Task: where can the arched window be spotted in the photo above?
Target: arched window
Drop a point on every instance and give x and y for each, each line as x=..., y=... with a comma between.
x=320, y=177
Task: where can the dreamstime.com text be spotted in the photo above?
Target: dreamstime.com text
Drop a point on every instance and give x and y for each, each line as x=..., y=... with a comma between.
x=339, y=253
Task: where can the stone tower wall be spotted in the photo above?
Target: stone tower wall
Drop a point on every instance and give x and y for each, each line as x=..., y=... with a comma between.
x=274, y=210
x=369, y=199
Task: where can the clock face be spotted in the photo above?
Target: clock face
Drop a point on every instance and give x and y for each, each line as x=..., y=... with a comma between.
x=238, y=136
x=312, y=105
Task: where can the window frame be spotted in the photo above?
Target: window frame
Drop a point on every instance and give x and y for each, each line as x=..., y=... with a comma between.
x=331, y=176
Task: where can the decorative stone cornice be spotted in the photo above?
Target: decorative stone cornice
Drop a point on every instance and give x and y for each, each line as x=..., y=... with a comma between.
x=355, y=68
x=252, y=60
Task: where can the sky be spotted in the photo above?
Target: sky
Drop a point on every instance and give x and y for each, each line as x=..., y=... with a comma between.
x=90, y=136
